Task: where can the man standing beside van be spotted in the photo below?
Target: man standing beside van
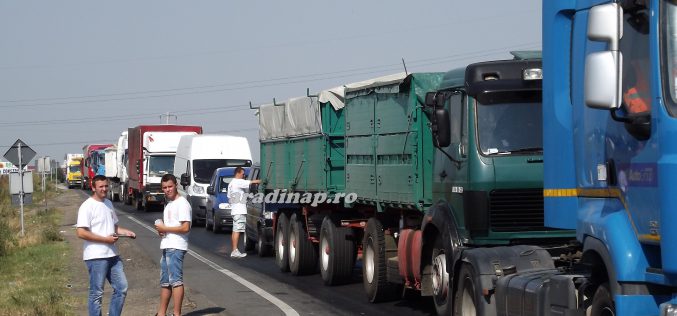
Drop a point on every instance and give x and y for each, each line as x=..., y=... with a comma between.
x=238, y=208
x=174, y=230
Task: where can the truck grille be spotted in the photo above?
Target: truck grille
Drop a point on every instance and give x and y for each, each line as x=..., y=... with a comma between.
x=516, y=210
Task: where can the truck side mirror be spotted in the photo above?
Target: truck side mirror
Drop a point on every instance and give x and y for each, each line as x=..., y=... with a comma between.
x=185, y=179
x=439, y=119
x=602, y=81
x=210, y=189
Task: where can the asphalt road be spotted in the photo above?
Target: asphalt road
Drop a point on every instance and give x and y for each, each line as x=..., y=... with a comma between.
x=255, y=286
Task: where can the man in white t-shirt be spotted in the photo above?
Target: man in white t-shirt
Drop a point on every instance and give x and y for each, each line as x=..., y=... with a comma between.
x=238, y=208
x=98, y=225
x=174, y=230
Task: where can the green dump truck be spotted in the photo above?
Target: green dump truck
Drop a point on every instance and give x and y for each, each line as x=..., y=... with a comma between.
x=408, y=172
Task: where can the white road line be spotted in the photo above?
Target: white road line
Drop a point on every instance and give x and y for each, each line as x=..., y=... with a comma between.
x=288, y=310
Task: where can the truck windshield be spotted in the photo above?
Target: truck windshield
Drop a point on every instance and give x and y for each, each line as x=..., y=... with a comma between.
x=510, y=128
x=158, y=166
x=204, y=168
x=74, y=169
x=669, y=24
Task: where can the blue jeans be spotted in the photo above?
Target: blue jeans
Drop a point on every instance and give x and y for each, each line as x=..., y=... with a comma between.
x=101, y=270
x=171, y=267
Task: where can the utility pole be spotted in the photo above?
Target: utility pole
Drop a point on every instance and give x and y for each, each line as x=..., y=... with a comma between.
x=167, y=115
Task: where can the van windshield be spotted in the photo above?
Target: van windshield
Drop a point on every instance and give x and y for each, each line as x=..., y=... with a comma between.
x=204, y=168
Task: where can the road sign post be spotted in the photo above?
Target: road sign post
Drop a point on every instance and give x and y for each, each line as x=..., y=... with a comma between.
x=20, y=154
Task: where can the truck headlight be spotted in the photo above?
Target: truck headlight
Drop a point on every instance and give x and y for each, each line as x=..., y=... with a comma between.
x=198, y=189
x=224, y=206
x=268, y=215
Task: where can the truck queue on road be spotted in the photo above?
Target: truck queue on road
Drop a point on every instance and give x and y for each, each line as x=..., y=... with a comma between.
x=498, y=188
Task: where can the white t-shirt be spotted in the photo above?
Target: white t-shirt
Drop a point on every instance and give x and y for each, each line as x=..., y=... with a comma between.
x=100, y=219
x=237, y=197
x=176, y=211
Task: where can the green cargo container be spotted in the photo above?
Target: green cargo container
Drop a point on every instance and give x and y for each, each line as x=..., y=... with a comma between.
x=372, y=143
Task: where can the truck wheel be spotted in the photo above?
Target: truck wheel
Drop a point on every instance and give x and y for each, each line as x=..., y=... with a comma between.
x=262, y=249
x=127, y=197
x=302, y=252
x=602, y=302
x=374, y=271
x=336, y=253
x=466, y=296
x=248, y=243
x=281, y=238
x=442, y=285
x=139, y=203
x=216, y=227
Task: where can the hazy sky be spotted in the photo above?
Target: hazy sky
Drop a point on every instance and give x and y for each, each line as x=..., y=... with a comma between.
x=79, y=72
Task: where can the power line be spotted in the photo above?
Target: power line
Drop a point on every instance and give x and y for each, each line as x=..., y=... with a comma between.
x=243, y=85
x=191, y=112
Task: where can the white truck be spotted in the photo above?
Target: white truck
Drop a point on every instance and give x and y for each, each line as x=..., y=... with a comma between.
x=116, y=168
x=150, y=155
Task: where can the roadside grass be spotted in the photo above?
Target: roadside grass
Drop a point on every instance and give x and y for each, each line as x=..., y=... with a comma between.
x=33, y=271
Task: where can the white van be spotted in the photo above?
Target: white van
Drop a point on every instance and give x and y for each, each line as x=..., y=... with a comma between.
x=197, y=156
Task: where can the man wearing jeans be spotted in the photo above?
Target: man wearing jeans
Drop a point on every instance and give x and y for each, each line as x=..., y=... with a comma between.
x=238, y=206
x=98, y=225
x=174, y=232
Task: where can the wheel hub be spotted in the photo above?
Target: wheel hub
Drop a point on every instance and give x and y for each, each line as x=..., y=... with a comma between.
x=440, y=276
x=324, y=255
x=369, y=262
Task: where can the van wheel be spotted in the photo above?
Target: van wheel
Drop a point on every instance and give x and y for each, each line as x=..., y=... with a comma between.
x=302, y=252
x=207, y=226
x=216, y=227
x=281, y=247
x=336, y=253
x=374, y=271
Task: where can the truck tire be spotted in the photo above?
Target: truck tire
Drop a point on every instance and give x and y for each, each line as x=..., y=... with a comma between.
x=262, y=247
x=281, y=238
x=468, y=299
x=248, y=243
x=302, y=252
x=374, y=270
x=441, y=279
x=127, y=197
x=139, y=202
x=337, y=251
x=602, y=302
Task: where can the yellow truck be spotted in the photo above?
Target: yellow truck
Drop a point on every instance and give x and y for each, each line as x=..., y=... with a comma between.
x=74, y=172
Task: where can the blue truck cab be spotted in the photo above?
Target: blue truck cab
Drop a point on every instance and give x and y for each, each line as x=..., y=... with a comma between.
x=610, y=120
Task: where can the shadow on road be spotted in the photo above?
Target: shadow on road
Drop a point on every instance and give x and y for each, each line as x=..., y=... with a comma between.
x=206, y=311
